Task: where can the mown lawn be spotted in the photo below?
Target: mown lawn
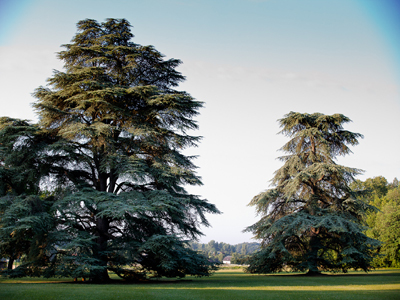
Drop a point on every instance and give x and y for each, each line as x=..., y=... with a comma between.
x=225, y=284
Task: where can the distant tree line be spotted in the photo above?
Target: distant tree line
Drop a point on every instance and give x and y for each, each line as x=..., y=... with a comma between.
x=384, y=222
x=217, y=251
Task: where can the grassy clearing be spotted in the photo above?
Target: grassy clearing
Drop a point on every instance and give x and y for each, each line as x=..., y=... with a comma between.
x=227, y=283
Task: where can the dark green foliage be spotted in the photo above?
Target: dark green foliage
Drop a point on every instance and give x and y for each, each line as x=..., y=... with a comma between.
x=24, y=215
x=21, y=164
x=25, y=226
x=114, y=130
x=311, y=219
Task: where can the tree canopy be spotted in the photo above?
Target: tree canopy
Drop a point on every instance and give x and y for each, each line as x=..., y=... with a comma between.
x=112, y=129
x=384, y=224
x=311, y=220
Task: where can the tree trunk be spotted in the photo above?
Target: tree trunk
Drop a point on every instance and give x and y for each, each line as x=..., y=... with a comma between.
x=10, y=263
x=101, y=275
x=313, y=254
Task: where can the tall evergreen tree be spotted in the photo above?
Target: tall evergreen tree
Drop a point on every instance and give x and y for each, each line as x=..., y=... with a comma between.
x=23, y=214
x=118, y=129
x=311, y=219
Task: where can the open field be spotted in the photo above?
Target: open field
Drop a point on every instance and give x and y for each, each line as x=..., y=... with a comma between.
x=228, y=284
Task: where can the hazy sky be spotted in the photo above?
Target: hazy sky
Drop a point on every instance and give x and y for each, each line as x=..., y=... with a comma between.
x=251, y=62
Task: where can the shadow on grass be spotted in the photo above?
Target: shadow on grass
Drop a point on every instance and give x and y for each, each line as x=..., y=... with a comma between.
x=126, y=282
x=239, y=280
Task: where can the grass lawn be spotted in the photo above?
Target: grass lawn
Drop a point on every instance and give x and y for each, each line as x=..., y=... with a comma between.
x=227, y=284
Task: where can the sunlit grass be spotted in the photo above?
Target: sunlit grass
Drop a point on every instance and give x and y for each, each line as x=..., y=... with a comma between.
x=228, y=284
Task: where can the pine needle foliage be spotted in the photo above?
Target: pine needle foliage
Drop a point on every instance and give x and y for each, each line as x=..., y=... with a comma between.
x=311, y=219
x=117, y=129
x=24, y=218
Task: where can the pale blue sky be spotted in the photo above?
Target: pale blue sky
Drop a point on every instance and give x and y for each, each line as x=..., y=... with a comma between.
x=251, y=62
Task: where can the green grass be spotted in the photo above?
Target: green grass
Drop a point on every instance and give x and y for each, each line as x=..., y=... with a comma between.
x=227, y=284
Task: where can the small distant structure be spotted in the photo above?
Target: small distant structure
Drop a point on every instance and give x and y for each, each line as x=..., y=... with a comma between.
x=227, y=260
